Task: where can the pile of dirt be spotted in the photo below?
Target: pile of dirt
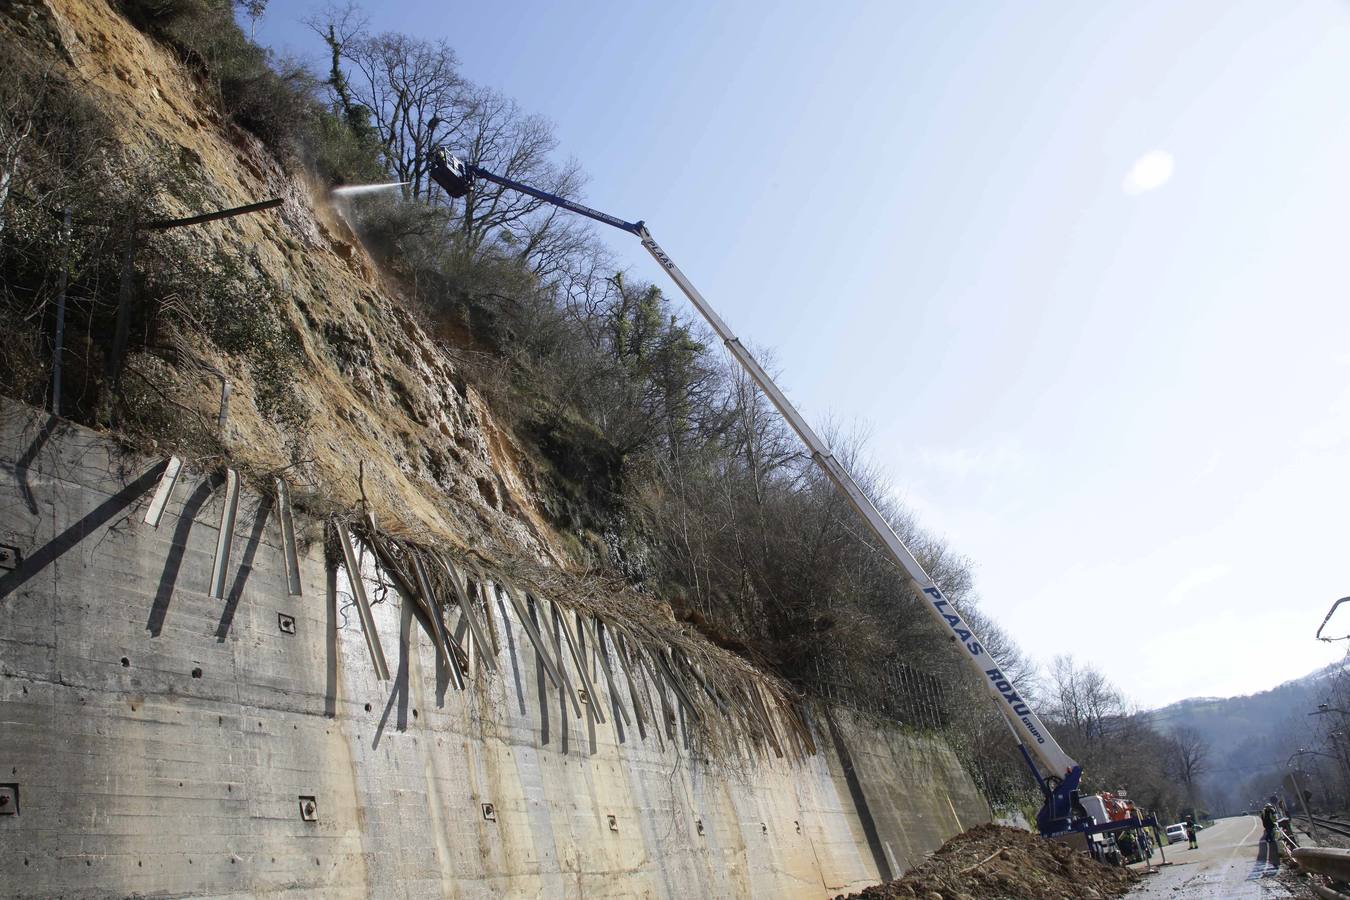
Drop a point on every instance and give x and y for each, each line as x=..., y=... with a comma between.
x=991, y=862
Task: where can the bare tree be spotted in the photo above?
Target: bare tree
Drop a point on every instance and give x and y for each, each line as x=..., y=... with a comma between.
x=408, y=88
x=495, y=134
x=21, y=97
x=1085, y=703
x=1188, y=757
x=339, y=27
x=254, y=9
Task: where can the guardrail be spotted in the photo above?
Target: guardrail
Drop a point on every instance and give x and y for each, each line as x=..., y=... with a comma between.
x=1330, y=861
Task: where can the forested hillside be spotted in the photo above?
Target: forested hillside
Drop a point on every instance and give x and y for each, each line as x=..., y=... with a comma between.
x=478, y=371
x=1246, y=742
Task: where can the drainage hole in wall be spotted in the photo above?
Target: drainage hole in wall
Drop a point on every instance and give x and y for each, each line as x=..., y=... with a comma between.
x=414, y=713
x=196, y=673
x=126, y=663
x=367, y=707
x=139, y=864
x=88, y=863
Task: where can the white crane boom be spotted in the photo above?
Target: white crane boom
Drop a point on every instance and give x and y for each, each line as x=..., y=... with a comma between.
x=1059, y=773
x=1027, y=726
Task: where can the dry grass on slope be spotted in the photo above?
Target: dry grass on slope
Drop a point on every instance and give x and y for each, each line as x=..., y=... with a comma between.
x=372, y=393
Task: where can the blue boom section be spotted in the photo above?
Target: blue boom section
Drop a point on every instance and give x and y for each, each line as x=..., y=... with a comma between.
x=458, y=177
x=1058, y=814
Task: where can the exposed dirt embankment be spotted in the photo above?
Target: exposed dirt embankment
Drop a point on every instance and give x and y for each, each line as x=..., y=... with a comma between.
x=379, y=393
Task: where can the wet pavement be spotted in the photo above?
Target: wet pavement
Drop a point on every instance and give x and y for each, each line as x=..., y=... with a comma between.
x=1232, y=863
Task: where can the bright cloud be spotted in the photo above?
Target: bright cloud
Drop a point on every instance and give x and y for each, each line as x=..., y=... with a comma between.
x=1194, y=581
x=1149, y=172
x=999, y=457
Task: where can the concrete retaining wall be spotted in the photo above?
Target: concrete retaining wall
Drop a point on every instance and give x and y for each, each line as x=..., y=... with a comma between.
x=159, y=741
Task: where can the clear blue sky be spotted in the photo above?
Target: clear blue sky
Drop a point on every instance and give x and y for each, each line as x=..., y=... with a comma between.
x=1130, y=407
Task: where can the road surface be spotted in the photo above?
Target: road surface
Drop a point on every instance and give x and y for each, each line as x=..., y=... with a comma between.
x=1232, y=863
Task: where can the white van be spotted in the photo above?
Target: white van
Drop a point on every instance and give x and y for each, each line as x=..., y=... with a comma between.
x=1176, y=833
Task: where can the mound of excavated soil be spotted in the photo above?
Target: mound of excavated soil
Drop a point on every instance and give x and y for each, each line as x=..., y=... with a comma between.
x=990, y=862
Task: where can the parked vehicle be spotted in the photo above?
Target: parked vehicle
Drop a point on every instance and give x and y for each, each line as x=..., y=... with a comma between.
x=1176, y=833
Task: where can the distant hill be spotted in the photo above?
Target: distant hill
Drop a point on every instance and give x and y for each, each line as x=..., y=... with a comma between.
x=1251, y=737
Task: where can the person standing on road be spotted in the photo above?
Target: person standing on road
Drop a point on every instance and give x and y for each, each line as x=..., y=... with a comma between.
x=1268, y=819
x=1190, y=834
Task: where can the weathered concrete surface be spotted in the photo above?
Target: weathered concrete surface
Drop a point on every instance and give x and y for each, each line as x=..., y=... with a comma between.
x=161, y=740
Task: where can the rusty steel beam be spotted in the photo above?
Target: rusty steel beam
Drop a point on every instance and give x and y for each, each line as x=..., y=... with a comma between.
x=167, y=479
x=467, y=614
x=165, y=224
x=579, y=657
x=433, y=611
x=624, y=666
x=615, y=697
x=225, y=539
x=288, y=549
x=560, y=629
x=362, y=603
x=518, y=602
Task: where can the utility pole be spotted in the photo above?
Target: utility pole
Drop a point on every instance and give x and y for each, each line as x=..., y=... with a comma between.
x=1298, y=789
x=1337, y=745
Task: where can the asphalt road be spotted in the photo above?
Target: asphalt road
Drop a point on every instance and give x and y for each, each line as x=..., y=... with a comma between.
x=1232, y=863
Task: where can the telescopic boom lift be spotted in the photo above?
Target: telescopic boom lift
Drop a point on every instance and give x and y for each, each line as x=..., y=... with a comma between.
x=1055, y=772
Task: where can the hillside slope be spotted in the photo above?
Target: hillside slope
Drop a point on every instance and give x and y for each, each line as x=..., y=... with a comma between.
x=1250, y=737
x=382, y=399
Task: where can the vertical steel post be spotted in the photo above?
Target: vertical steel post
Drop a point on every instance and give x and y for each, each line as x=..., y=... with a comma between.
x=59, y=338
x=225, y=539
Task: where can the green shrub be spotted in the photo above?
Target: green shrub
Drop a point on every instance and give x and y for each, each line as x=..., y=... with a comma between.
x=278, y=101
x=338, y=153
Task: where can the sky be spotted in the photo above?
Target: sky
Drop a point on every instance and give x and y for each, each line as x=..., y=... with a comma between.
x=1078, y=270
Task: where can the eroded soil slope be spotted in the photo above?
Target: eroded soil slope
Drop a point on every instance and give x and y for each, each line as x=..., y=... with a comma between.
x=380, y=395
